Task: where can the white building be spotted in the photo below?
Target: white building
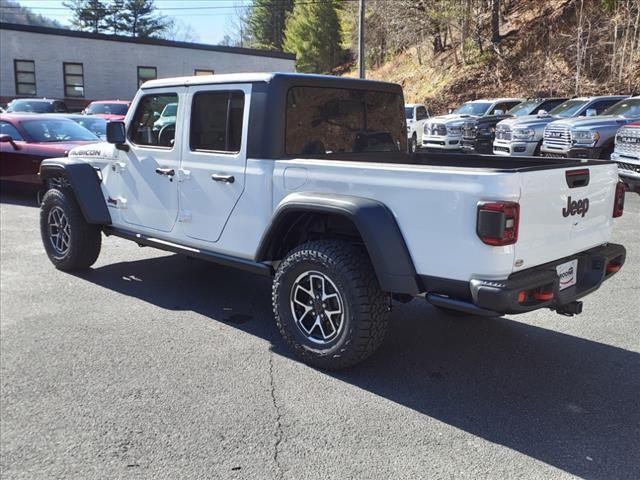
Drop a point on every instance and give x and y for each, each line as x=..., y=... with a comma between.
x=79, y=67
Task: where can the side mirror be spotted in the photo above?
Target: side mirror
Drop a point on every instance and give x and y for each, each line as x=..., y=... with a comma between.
x=117, y=134
x=450, y=110
x=156, y=115
x=498, y=112
x=542, y=113
x=591, y=112
x=5, y=138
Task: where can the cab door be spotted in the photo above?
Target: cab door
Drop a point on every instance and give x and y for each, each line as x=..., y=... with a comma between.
x=142, y=182
x=213, y=159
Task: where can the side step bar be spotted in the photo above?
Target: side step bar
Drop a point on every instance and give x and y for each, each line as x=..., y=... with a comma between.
x=459, y=305
x=221, y=259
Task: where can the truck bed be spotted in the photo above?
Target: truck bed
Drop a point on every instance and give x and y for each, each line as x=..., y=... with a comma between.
x=496, y=163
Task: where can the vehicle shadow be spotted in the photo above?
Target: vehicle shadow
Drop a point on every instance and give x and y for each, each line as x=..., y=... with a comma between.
x=12, y=195
x=566, y=401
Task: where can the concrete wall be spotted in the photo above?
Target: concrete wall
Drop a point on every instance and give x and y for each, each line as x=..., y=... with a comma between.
x=110, y=67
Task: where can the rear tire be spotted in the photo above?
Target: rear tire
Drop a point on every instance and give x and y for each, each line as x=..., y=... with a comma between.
x=328, y=304
x=70, y=242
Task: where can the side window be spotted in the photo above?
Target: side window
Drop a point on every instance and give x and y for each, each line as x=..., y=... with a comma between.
x=60, y=107
x=323, y=121
x=548, y=105
x=154, y=123
x=601, y=105
x=504, y=106
x=421, y=113
x=216, y=121
x=7, y=129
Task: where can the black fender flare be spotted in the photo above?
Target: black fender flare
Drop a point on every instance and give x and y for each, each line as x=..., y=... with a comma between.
x=374, y=221
x=85, y=183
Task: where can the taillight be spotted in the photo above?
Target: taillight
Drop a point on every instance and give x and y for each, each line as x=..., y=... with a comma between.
x=497, y=223
x=618, y=203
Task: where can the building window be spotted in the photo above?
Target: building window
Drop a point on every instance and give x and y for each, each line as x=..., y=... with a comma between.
x=200, y=71
x=25, y=71
x=73, y=79
x=146, y=73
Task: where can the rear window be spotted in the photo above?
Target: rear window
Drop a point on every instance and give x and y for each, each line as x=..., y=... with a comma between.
x=338, y=120
x=108, y=108
x=56, y=130
x=30, y=106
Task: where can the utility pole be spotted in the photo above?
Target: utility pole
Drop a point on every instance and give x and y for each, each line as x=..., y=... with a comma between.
x=361, y=40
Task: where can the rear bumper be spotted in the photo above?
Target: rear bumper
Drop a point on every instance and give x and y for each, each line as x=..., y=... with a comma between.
x=501, y=296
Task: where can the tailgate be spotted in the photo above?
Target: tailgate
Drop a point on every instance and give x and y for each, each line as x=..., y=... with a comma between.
x=558, y=220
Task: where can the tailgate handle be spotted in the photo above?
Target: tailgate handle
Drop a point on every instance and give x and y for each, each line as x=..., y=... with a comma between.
x=577, y=178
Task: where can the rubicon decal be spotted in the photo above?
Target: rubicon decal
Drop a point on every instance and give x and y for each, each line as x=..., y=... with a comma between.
x=580, y=207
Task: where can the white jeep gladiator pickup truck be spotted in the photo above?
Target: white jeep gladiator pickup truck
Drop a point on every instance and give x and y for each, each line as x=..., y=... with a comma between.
x=306, y=178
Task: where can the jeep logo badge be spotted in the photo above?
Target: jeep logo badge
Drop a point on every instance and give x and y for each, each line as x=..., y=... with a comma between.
x=581, y=207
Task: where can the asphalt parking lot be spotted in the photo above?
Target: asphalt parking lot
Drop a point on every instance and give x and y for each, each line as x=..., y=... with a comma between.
x=152, y=365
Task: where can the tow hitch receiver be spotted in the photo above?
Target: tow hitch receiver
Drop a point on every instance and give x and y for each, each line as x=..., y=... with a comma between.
x=569, y=309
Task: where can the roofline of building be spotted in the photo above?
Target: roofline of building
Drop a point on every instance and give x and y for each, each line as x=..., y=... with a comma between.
x=144, y=41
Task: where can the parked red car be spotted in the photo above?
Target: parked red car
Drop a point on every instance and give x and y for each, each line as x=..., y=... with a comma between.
x=108, y=109
x=26, y=140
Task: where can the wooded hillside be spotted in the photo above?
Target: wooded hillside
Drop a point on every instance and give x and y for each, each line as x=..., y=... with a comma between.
x=448, y=51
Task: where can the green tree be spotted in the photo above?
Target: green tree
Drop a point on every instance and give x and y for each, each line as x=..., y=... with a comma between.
x=114, y=21
x=313, y=34
x=267, y=21
x=88, y=15
x=140, y=19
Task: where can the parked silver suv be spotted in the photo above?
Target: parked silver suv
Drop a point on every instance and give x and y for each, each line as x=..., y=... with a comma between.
x=589, y=137
x=522, y=136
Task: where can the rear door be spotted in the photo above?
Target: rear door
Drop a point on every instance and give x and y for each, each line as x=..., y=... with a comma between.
x=560, y=216
x=214, y=158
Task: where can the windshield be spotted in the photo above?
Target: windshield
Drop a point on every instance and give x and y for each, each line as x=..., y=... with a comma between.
x=170, y=110
x=473, y=108
x=524, y=108
x=96, y=125
x=408, y=113
x=108, y=108
x=568, y=109
x=32, y=106
x=58, y=130
x=629, y=108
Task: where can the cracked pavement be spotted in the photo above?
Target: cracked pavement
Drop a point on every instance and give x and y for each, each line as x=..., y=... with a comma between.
x=152, y=365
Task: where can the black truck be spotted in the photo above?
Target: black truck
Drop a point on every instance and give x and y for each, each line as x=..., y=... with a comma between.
x=478, y=134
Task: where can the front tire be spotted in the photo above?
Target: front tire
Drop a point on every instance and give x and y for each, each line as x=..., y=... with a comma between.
x=328, y=304
x=70, y=242
x=413, y=144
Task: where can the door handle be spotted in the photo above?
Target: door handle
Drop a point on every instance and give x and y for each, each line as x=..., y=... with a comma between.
x=169, y=172
x=220, y=177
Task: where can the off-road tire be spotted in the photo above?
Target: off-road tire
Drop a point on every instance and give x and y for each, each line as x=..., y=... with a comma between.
x=84, y=239
x=413, y=144
x=365, y=305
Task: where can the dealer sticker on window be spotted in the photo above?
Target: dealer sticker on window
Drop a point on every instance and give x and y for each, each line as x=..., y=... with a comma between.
x=568, y=273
